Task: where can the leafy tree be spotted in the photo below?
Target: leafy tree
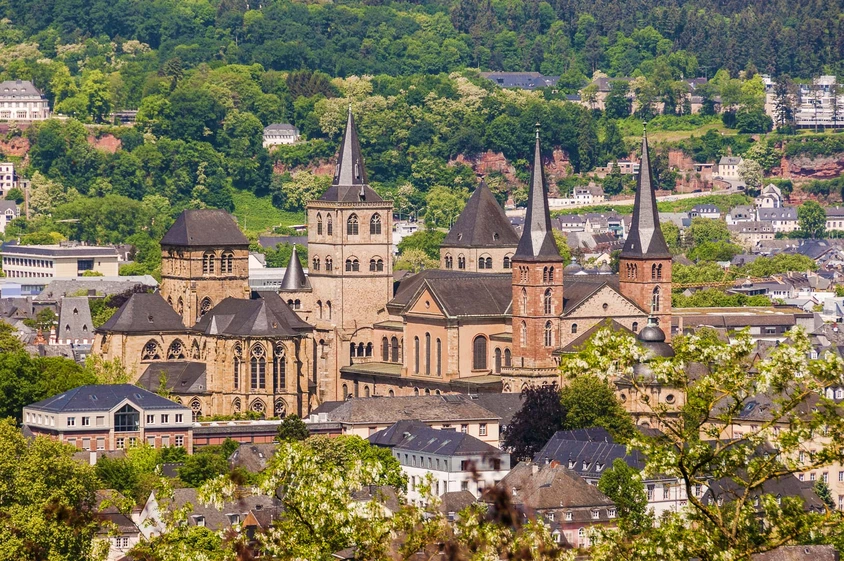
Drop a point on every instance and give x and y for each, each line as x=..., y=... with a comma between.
x=714, y=251
x=444, y=206
x=292, y=428
x=541, y=415
x=623, y=484
x=97, y=95
x=15, y=194
x=204, y=465
x=562, y=246
x=613, y=183
x=704, y=230
x=811, y=217
x=617, y=106
x=427, y=240
x=671, y=233
x=590, y=402
x=415, y=260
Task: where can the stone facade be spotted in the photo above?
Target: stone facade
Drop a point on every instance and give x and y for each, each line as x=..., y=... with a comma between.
x=647, y=283
x=477, y=260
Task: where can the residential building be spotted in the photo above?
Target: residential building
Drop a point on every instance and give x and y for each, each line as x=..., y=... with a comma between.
x=7, y=178
x=566, y=502
x=770, y=323
x=22, y=101
x=58, y=261
x=111, y=417
x=447, y=460
x=75, y=325
x=521, y=80
x=835, y=218
x=280, y=133
x=580, y=196
x=402, y=229
x=9, y=210
x=741, y=213
x=705, y=211
x=627, y=167
x=568, y=223
x=728, y=167
x=770, y=197
x=782, y=219
x=749, y=234
x=116, y=528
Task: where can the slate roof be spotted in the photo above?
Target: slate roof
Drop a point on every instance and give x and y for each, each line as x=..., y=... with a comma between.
x=102, y=397
x=784, y=213
x=606, y=323
x=19, y=89
x=62, y=287
x=294, y=276
x=55, y=250
x=75, y=319
x=204, y=227
x=645, y=236
x=504, y=405
x=785, y=486
x=552, y=487
x=395, y=433
x=705, y=209
x=586, y=457
x=144, y=313
x=252, y=457
x=537, y=241
x=216, y=519
x=578, y=288
x=460, y=293
x=280, y=127
x=455, y=501
x=729, y=160
x=444, y=443
x=272, y=241
x=350, y=184
x=482, y=223
x=184, y=377
x=799, y=553
x=267, y=315
x=427, y=409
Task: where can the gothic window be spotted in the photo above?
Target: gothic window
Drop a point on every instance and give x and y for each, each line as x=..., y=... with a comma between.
x=547, y=302
x=655, y=300
x=524, y=301
x=196, y=409
x=328, y=308
x=659, y=271
x=279, y=369
x=316, y=264
x=329, y=264
x=507, y=358
x=653, y=272
x=549, y=335
x=236, y=405
x=551, y=274
x=227, y=262
x=574, y=328
x=280, y=408
x=479, y=353
x=319, y=224
x=428, y=354
x=176, y=351
x=366, y=391
x=375, y=225
x=180, y=306
x=635, y=327
x=204, y=306
x=524, y=273
x=507, y=262
x=545, y=274
x=151, y=351
x=481, y=263
x=352, y=265
x=523, y=335
x=258, y=407
x=461, y=262
x=449, y=262
x=208, y=263
x=416, y=355
x=439, y=358
x=368, y=349
x=498, y=361
x=352, y=225
x=258, y=368
x=394, y=349
x=238, y=360
x=385, y=349
x=194, y=350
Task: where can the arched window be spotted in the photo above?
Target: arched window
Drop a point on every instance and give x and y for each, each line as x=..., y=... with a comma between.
x=547, y=302
x=551, y=274
x=280, y=408
x=329, y=264
x=297, y=304
x=279, y=369
x=319, y=308
x=524, y=301
x=545, y=274
x=375, y=225
x=176, y=351
x=361, y=349
x=659, y=271
x=507, y=262
x=328, y=308
x=329, y=225
x=523, y=335
x=319, y=224
x=655, y=300
x=461, y=262
x=316, y=264
x=385, y=349
x=152, y=351
x=653, y=271
x=194, y=350
x=416, y=391
x=439, y=358
x=481, y=263
x=357, y=388
x=394, y=349
x=258, y=368
x=227, y=262
x=196, y=410
x=449, y=262
x=376, y=264
x=479, y=353
x=366, y=391
x=238, y=359
x=574, y=328
x=208, y=263
x=507, y=358
x=549, y=334
x=204, y=306
x=258, y=407
x=237, y=407
x=635, y=327
x=352, y=265
x=346, y=391
x=180, y=306
x=498, y=361
x=416, y=355
x=428, y=354
x=353, y=350
x=352, y=226
x=368, y=350
x=489, y=262
x=391, y=393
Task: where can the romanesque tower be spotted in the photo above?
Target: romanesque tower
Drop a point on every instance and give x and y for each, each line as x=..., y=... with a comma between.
x=204, y=259
x=644, y=268
x=537, y=283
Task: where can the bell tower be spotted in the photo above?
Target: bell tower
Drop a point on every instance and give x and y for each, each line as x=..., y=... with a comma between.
x=644, y=267
x=537, y=284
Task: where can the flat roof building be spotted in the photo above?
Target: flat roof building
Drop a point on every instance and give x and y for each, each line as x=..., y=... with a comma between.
x=58, y=261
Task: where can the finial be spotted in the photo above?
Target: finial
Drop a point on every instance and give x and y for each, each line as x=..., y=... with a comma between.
x=350, y=107
x=538, y=126
x=645, y=127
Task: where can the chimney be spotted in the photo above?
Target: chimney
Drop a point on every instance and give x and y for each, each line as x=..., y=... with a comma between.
x=92, y=457
x=534, y=469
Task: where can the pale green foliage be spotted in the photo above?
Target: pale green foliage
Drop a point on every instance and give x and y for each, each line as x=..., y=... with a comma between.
x=415, y=260
x=444, y=206
x=751, y=173
x=46, y=194
x=106, y=371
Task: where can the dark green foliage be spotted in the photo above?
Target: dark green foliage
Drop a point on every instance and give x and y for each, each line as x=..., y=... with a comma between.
x=426, y=240
x=15, y=195
x=623, y=484
x=714, y=298
x=542, y=414
x=280, y=256
x=292, y=428
x=207, y=463
x=591, y=402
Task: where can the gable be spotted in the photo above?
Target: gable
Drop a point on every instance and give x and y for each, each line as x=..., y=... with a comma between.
x=593, y=305
x=425, y=304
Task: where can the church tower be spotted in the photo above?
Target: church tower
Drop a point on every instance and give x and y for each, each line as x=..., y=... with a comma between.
x=537, y=284
x=644, y=268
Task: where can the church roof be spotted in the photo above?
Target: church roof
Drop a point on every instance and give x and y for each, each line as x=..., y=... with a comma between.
x=204, y=227
x=459, y=293
x=75, y=318
x=645, y=236
x=350, y=183
x=183, y=377
x=294, y=277
x=144, y=313
x=537, y=241
x=482, y=223
x=264, y=316
x=606, y=323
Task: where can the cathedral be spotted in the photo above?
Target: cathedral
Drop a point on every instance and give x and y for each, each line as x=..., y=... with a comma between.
x=494, y=317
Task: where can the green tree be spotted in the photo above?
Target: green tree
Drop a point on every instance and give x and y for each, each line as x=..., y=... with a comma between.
x=562, y=246
x=292, y=428
x=811, y=217
x=415, y=260
x=589, y=401
x=541, y=415
x=617, y=106
x=672, y=235
x=95, y=89
x=704, y=230
x=751, y=173
x=714, y=251
x=444, y=206
x=427, y=240
x=16, y=195
x=623, y=484
x=613, y=183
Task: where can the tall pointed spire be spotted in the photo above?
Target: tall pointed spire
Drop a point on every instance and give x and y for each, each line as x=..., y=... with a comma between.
x=294, y=277
x=645, y=237
x=350, y=181
x=537, y=241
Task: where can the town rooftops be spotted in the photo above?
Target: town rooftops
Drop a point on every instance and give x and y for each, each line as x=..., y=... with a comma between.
x=144, y=313
x=181, y=377
x=427, y=409
x=264, y=316
x=482, y=223
x=280, y=127
x=75, y=319
x=523, y=80
x=705, y=209
x=103, y=397
x=204, y=227
x=443, y=442
x=799, y=553
x=58, y=250
x=19, y=89
x=552, y=486
x=459, y=293
x=835, y=212
x=729, y=161
x=784, y=213
x=589, y=458
x=101, y=286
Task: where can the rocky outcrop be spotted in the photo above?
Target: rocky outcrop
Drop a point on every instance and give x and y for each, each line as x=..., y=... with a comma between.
x=107, y=143
x=15, y=146
x=556, y=166
x=822, y=167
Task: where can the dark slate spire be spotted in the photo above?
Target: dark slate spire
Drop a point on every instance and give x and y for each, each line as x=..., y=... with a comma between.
x=537, y=241
x=350, y=183
x=482, y=223
x=645, y=236
x=294, y=277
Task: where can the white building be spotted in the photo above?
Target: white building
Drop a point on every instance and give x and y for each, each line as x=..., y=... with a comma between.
x=770, y=197
x=446, y=459
x=9, y=210
x=705, y=211
x=7, y=177
x=782, y=219
x=280, y=133
x=581, y=196
x=58, y=261
x=835, y=218
x=22, y=101
x=728, y=167
x=402, y=229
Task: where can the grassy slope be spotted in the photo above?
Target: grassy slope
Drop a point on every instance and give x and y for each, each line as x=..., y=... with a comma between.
x=257, y=214
x=724, y=202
